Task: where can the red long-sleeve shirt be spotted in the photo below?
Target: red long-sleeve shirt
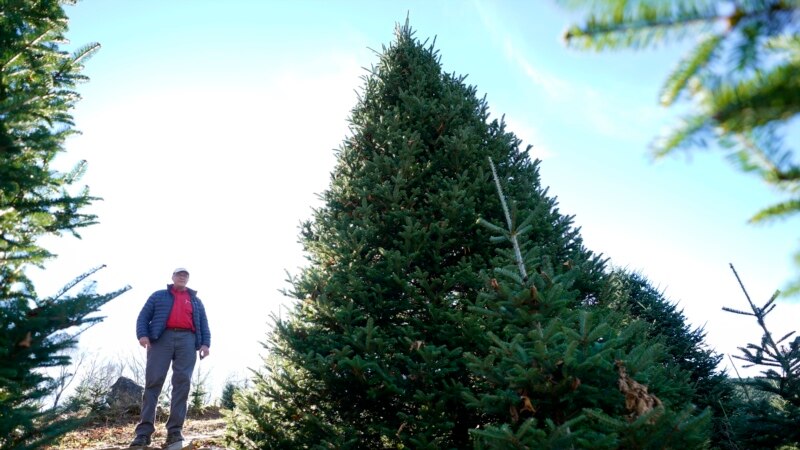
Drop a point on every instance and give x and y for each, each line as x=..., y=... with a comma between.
x=181, y=314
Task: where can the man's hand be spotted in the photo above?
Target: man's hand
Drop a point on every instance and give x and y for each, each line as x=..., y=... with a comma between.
x=204, y=351
x=144, y=342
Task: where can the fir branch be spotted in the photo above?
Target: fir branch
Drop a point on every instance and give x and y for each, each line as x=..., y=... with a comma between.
x=27, y=47
x=512, y=232
x=753, y=306
x=746, y=390
x=736, y=311
x=777, y=211
x=681, y=135
x=788, y=335
x=74, y=283
x=639, y=23
x=688, y=68
x=771, y=163
x=764, y=98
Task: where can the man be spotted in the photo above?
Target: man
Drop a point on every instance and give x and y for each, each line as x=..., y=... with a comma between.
x=172, y=326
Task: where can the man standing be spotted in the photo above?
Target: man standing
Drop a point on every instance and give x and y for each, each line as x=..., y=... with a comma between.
x=172, y=326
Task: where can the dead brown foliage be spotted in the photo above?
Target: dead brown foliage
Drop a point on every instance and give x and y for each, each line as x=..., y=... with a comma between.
x=637, y=400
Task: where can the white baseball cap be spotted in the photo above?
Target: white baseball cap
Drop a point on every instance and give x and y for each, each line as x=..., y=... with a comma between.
x=180, y=269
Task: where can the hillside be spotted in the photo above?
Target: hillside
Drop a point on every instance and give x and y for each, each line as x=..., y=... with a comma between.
x=206, y=433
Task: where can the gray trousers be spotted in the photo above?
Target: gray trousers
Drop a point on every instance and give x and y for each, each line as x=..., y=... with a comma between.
x=175, y=348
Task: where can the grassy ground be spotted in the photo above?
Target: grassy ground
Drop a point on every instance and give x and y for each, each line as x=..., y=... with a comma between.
x=206, y=431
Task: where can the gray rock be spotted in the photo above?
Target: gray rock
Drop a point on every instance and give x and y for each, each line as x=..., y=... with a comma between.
x=125, y=396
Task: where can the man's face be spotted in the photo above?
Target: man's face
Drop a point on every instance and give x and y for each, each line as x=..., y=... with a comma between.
x=180, y=279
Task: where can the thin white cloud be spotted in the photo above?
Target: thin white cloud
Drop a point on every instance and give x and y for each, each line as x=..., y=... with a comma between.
x=530, y=136
x=552, y=85
x=600, y=112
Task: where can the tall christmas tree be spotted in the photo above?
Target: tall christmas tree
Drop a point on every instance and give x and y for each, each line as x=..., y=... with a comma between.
x=372, y=356
x=36, y=95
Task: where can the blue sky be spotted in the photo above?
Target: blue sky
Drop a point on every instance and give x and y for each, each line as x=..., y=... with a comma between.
x=209, y=128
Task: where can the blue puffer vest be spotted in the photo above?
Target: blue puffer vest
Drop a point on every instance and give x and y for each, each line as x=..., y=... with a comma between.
x=152, y=319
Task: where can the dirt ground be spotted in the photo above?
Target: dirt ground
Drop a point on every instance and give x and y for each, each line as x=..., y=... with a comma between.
x=206, y=433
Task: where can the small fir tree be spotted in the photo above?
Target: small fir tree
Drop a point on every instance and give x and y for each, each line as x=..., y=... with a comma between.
x=91, y=394
x=198, y=397
x=228, y=392
x=372, y=354
x=770, y=409
x=37, y=79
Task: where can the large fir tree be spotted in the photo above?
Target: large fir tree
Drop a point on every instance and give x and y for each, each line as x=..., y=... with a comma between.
x=372, y=356
x=36, y=95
